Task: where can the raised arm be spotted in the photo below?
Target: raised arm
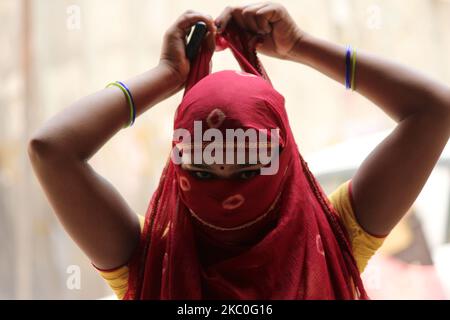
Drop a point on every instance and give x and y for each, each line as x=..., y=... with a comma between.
x=392, y=176
x=390, y=179
x=89, y=207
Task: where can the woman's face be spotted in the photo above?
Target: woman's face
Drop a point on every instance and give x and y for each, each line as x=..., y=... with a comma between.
x=223, y=171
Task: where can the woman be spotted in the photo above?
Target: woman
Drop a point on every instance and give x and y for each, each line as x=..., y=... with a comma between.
x=216, y=231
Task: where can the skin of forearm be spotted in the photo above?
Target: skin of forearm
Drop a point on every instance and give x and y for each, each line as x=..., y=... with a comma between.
x=398, y=90
x=78, y=131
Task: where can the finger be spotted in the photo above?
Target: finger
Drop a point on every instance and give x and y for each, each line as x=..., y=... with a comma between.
x=223, y=18
x=238, y=18
x=229, y=13
x=187, y=31
x=249, y=15
x=271, y=13
x=190, y=18
x=211, y=41
x=262, y=21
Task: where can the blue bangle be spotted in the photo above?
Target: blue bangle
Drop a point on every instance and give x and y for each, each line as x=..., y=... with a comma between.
x=348, y=56
x=132, y=102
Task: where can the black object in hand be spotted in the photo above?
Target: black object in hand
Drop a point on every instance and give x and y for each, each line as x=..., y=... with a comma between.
x=195, y=40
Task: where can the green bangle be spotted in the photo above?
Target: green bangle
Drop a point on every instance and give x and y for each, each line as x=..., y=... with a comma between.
x=353, y=69
x=130, y=103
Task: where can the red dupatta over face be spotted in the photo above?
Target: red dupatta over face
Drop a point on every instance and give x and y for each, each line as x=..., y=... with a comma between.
x=292, y=244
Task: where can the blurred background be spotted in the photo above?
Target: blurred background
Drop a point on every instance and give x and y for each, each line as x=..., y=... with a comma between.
x=56, y=51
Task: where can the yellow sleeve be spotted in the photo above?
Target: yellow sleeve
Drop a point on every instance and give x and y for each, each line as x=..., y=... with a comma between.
x=364, y=245
x=117, y=278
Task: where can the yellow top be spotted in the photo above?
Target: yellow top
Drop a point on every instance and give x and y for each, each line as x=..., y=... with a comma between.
x=363, y=244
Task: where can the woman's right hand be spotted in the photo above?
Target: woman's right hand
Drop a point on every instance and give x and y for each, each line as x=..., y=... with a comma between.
x=173, y=53
x=271, y=20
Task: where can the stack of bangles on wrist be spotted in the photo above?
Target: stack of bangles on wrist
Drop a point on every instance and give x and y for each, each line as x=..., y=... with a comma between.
x=130, y=100
x=350, y=68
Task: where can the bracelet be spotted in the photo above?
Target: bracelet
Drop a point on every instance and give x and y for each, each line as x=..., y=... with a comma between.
x=350, y=68
x=126, y=91
x=353, y=69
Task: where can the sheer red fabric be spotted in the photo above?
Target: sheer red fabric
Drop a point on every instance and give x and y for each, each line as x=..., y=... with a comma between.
x=291, y=245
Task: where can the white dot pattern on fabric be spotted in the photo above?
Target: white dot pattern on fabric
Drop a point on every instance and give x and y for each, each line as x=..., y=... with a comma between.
x=184, y=184
x=233, y=202
x=215, y=118
x=245, y=74
x=319, y=245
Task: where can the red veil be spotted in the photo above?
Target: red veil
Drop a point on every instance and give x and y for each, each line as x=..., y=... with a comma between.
x=293, y=243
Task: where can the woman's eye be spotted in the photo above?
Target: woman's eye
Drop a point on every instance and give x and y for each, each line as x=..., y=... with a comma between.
x=249, y=174
x=203, y=175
